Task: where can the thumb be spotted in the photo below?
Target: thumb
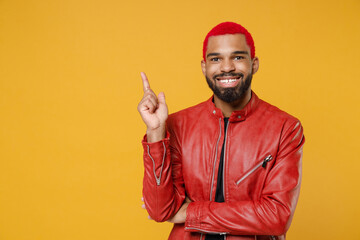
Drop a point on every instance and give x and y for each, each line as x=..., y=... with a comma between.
x=161, y=98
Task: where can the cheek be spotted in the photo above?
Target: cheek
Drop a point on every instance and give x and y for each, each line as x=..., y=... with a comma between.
x=210, y=70
x=244, y=67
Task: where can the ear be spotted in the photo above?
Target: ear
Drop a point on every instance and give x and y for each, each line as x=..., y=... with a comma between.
x=203, y=67
x=255, y=65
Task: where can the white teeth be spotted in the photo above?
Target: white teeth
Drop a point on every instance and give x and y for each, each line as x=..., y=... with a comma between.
x=228, y=80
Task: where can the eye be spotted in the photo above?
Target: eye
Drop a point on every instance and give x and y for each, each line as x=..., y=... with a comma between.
x=239, y=57
x=215, y=59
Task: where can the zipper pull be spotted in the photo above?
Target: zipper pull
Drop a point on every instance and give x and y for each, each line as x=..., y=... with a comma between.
x=266, y=160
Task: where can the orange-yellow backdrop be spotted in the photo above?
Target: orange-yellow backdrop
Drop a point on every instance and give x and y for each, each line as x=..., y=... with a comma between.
x=70, y=153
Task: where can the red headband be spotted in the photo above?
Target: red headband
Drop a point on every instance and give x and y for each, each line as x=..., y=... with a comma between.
x=229, y=28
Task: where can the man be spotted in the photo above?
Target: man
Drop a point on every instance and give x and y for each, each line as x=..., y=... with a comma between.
x=227, y=168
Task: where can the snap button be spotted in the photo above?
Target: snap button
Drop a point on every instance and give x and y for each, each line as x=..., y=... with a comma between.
x=214, y=112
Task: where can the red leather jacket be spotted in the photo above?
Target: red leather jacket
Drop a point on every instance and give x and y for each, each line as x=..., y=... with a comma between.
x=262, y=171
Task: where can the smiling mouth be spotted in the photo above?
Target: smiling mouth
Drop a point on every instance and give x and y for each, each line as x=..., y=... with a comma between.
x=227, y=79
x=228, y=76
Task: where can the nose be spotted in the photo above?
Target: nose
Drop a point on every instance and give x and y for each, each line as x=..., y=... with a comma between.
x=227, y=65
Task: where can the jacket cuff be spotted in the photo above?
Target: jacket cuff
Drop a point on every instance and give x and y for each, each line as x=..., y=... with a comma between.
x=194, y=214
x=155, y=151
x=167, y=138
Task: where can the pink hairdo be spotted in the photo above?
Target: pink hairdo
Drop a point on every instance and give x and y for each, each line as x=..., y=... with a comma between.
x=229, y=28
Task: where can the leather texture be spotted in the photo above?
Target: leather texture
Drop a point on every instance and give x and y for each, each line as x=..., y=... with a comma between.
x=262, y=171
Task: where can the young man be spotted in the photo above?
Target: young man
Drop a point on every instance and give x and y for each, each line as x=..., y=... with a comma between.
x=227, y=168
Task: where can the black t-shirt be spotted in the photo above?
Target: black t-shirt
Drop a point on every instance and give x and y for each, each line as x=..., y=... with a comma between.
x=219, y=195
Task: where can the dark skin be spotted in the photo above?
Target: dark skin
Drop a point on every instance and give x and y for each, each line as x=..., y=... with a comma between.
x=225, y=54
x=229, y=54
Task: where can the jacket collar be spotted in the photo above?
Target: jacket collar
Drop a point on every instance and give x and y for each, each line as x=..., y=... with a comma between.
x=236, y=116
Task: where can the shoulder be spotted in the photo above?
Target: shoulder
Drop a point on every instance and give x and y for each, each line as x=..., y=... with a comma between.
x=280, y=125
x=289, y=126
x=274, y=113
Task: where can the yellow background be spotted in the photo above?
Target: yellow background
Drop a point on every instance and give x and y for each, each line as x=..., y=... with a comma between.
x=70, y=153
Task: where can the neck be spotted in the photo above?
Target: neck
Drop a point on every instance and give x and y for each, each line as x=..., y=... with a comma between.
x=228, y=108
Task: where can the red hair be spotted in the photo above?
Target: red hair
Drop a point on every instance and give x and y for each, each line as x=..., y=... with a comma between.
x=229, y=28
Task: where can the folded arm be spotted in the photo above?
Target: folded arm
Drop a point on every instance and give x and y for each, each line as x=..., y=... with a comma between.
x=272, y=213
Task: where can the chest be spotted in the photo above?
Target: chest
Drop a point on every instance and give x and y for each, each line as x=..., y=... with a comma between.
x=248, y=153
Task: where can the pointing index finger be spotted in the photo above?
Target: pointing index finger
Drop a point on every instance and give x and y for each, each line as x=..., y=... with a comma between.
x=146, y=85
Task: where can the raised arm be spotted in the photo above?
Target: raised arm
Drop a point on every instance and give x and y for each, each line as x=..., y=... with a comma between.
x=163, y=187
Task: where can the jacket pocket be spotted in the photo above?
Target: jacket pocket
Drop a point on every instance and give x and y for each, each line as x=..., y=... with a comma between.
x=248, y=173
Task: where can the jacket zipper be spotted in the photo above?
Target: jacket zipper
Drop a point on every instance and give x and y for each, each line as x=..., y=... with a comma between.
x=223, y=174
x=212, y=179
x=217, y=145
x=260, y=164
x=212, y=182
x=162, y=165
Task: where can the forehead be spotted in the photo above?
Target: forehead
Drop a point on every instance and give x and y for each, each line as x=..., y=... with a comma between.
x=227, y=43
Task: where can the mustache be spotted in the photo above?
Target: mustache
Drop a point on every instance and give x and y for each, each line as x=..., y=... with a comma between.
x=237, y=75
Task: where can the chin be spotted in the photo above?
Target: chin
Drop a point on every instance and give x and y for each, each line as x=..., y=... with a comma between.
x=231, y=94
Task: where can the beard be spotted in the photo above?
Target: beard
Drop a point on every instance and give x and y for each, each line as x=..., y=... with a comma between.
x=230, y=94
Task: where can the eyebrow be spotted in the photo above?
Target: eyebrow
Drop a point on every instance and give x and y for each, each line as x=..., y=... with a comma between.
x=240, y=52
x=236, y=52
x=212, y=54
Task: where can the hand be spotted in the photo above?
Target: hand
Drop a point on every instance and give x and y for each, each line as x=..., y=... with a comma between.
x=180, y=216
x=153, y=111
x=143, y=206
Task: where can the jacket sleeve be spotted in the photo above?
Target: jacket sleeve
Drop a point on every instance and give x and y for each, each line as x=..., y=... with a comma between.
x=272, y=213
x=163, y=184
